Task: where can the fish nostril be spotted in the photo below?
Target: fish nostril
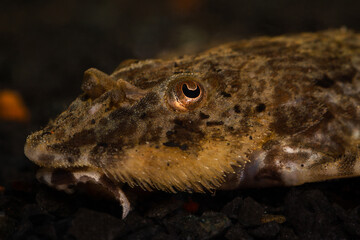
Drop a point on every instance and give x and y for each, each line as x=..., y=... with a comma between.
x=96, y=82
x=46, y=133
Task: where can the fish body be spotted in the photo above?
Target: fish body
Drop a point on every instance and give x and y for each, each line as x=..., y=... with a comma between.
x=267, y=111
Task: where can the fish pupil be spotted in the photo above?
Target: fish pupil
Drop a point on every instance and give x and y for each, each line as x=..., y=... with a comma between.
x=190, y=93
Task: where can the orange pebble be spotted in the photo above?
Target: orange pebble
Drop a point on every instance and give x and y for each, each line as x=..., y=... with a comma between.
x=191, y=206
x=12, y=107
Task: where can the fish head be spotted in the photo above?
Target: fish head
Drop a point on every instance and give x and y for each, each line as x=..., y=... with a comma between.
x=166, y=131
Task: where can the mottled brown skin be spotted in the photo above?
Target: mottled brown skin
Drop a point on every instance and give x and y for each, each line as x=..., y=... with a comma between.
x=274, y=111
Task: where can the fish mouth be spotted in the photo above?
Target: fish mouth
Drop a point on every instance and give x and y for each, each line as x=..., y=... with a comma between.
x=67, y=179
x=63, y=173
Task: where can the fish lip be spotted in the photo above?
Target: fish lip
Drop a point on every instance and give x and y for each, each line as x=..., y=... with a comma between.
x=28, y=151
x=41, y=156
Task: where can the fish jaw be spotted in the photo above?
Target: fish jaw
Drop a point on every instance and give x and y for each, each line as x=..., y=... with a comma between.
x=65, y=180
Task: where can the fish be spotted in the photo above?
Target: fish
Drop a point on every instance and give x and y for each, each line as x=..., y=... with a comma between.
x=261, y=112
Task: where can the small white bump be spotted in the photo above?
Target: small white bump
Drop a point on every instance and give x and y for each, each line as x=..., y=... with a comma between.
x=94, y=109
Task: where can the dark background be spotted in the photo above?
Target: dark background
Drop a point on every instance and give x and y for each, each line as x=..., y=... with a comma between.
x=45, y=46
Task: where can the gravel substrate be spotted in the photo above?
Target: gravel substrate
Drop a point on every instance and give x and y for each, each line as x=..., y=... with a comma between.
x=329, y=210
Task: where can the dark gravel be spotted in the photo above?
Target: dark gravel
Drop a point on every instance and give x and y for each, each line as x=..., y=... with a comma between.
x=45, y=46
x=327, y=210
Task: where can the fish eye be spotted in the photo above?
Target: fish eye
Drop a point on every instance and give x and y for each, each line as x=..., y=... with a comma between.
x=185, y=93
x=190, y=90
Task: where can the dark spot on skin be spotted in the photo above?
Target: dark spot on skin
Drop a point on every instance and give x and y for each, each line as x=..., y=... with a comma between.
x=102, y=144
x=225, y=94
x=230, y=128
x=83, y=138
x=235, y=86
x=260, y=108
x=169, y=133
x=46, y=158
x=204, y=116
x=184, y=147
x=178, y=122
x=269, y=144
x=250, y=91
x=324, y=82
x=62, y=177
x=185, y=131
x=175, y=64
x=174, y=144
x=65, y=148
x=334, y=66
x=226, y=114
x=168, y=164
x=92, y=121
x=237, y=109
x=245, y=125
x=125, y=124
x=152, y=134
x=247, y=111
x=214, y=123
x=250, y=137
x=171, y=144
x=70, y=160
x=281, y=95
x=143, y=116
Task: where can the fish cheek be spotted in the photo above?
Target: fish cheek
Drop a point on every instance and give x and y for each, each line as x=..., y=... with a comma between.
x=185, y=134
x=128, y=128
